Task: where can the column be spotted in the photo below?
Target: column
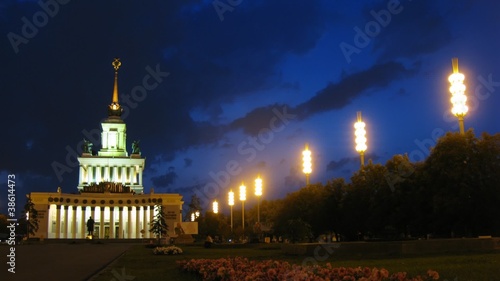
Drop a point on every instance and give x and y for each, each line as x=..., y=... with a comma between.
x=115, y=174
x=124, y=175
x=137, y=222
x=84, y=220
x=129, y=222
x=66, y=220
x=112, y=222
x=58, y=221
x=80, y=176
x=140, y=175
x=101, y=223
x=92, y=214
x=106, y=173
x=98, y=176
x=73, y=221
x=151, y=213
x=145, y=221
x=136, y=168
x=120, y=223
x=90, y=174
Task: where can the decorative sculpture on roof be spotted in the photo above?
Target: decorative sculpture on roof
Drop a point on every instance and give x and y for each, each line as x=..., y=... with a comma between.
x=87, y=146
x=135, y=147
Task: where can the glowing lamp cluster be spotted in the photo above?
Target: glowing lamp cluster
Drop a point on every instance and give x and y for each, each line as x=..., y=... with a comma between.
x=258, y=186
x=360, y=134
x=230, y=198
x=243, y=192
x=458, y=97
x=243, y=197
x=306, y=162
x=215, y=207
x=457, y=90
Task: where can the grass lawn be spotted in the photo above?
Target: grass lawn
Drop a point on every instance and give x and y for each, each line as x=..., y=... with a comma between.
x=140, y=263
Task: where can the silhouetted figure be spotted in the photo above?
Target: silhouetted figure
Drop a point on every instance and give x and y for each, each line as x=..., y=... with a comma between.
x=208, y=242
x=90, y=226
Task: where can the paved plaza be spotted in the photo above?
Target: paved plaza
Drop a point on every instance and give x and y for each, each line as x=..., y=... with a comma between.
x=60, y=261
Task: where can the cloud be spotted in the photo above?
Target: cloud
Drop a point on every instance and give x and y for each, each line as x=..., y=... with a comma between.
x=166, y=179
x=188, y=162
x=420, y=28
x=341, y=164
x=334, y=96
x=337, y=95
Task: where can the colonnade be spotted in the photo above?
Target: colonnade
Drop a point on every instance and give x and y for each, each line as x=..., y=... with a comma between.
x=123, y=174
x=70, y=221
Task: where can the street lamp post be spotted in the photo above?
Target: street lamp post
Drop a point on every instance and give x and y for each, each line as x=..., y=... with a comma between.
x=307, y=165
x=258, y=193
x=230, y=200
x=243, y=197
x=458, y=98
x=360, y=134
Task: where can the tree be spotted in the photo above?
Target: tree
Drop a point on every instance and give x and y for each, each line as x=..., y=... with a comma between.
x=194, y=207
x=31, y=217
x=158, y=226
x=462, y=174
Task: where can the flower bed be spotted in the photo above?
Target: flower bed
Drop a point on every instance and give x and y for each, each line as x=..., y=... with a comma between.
x=236, y=269
x=170, y=250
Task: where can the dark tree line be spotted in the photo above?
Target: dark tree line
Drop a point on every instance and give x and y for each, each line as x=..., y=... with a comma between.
x=454, y=192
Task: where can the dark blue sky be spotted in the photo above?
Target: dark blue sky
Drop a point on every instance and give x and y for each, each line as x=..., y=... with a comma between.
x=239, y=86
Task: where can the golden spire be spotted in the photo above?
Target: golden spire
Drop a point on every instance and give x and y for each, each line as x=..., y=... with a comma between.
x=116, y=65
x=114, y=108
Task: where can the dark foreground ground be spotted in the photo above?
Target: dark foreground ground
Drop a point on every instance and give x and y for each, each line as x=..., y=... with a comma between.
x=59, y=261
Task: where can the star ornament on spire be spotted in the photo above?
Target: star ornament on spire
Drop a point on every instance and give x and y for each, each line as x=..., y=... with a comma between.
x=116, y=64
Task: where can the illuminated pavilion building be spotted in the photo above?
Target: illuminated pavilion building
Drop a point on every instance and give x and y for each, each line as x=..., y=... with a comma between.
x=110, y=190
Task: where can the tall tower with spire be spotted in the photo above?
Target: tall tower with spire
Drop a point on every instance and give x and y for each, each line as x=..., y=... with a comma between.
x=112, y=166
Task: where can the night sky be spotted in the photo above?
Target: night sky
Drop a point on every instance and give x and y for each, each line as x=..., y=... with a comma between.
x=220, y=91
